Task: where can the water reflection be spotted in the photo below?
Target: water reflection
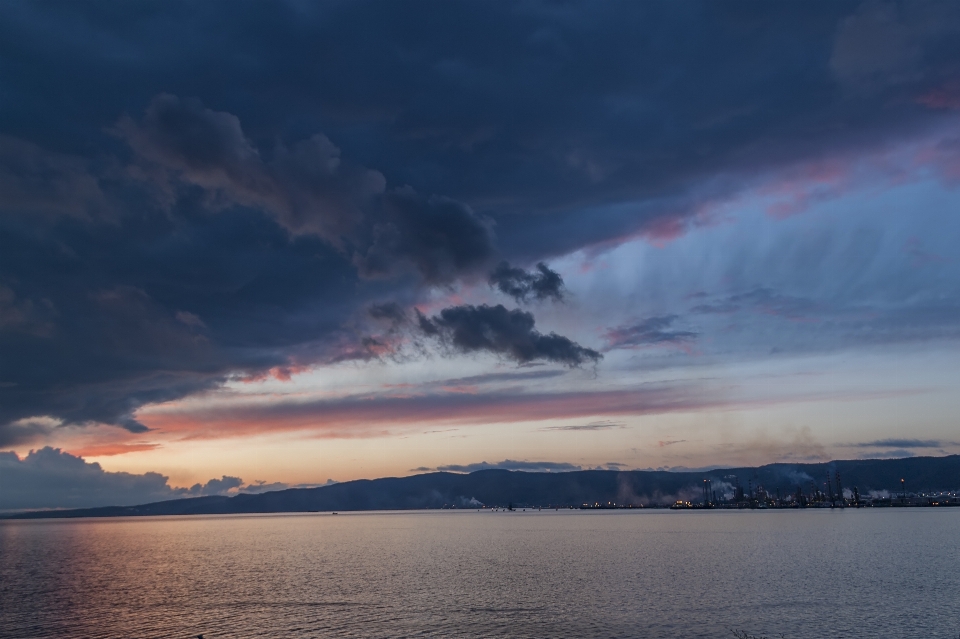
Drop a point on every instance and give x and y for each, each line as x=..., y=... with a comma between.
x=533, y=574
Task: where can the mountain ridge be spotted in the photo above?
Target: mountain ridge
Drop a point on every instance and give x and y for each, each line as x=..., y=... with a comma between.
x=498, y=487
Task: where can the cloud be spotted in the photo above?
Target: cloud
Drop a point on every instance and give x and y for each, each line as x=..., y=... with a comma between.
x=47, y=184
x=410, y=409
x=563, y=114
x=389, y=311
x=764, y=300
x=493, y=378
x=27, y=429
x=377, y=414
x=125, y=313
x=244, y=263
x=510, y=333
x=51, y=478
x=307, y=187
x=592, y=426
x=521, y=285
x=25, y=316
x=136, y=352
x=791, y=444
x=189, y=319
x=215, y=486
x=946, y=96
x=649, y=332
x=688, y=469
x=879, y=45
x=261, y=486
x=111, y=448
x=670, y=442
x=903, y=443
x=509, y=464
x=896, y=453
x=238, y=233
x=442, y=238
x=311, y=189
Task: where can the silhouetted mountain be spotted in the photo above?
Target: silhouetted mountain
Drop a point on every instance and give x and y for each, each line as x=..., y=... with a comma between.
x=503, y=487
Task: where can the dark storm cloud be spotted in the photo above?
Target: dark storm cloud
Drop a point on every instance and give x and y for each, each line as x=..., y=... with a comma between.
x=101, y=317
x=519, y=284
x=442, y=238
x=388, y=311
x=51, y=478
x=649, y=332
x=570, y=106
x=38, y=182
x=509, y=333
x=147, y=256
x=311, y=189
x=190, y=281
x=26, y=431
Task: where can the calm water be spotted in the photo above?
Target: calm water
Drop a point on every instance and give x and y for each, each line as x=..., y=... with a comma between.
x=868, y=573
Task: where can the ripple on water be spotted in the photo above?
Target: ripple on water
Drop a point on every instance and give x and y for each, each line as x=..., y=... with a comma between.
x=816, y=574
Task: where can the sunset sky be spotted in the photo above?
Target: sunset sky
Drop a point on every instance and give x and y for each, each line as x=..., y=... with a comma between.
x=278, y=244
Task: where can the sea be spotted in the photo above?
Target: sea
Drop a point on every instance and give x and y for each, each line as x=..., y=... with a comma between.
x=870, y=573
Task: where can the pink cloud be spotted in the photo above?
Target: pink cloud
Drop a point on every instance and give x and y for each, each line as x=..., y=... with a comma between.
x=663, y=230
x=468, y=390
x=797, y=189
x=913, y=247
x=279, y=373
x=366, y=416
x=943, y=156
x=388, y=415
x=110, y=449
x=946, y=96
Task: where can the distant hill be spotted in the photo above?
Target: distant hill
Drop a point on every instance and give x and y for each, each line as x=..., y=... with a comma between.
x=527, y=489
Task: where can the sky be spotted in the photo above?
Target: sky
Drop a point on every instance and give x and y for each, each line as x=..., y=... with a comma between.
x=245, y=246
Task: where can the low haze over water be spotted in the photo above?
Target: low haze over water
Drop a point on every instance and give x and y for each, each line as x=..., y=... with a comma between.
x=816, y=574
